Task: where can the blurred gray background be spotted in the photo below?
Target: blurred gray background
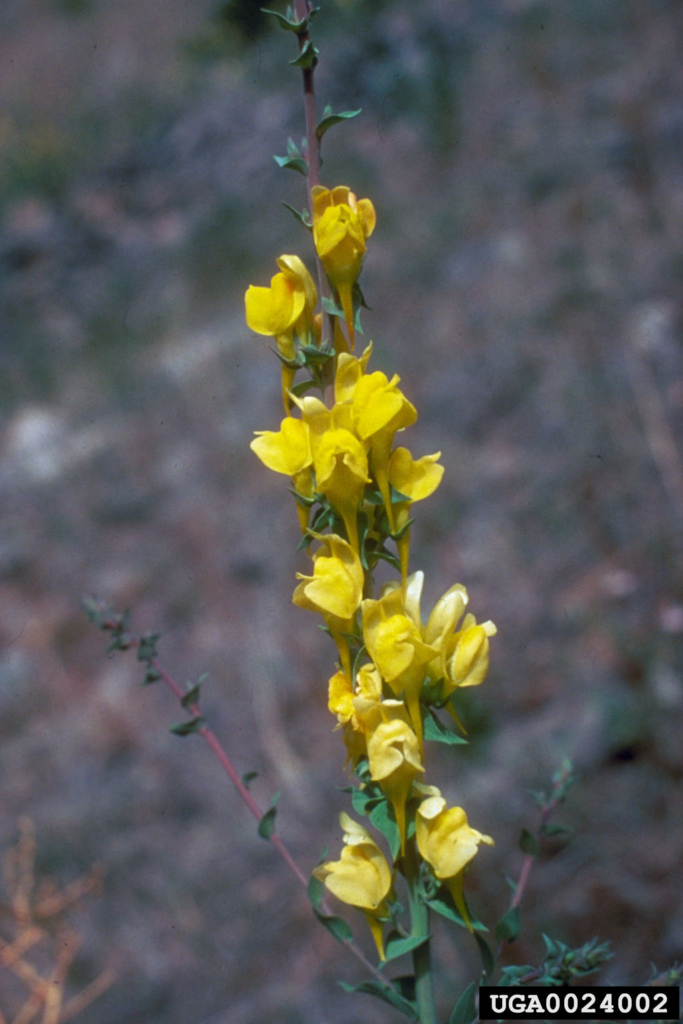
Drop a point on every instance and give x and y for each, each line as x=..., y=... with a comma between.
x=526, y=281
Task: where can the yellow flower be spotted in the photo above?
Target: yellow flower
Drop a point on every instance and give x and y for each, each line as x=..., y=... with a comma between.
x=335, y=589
x=287, y=450
x=356, y=708
x=341, y=470
x=463, y=656
x=277, y=311
x=447, y=843
x=341, y=225
x=466, y=654
x=394, y=757
x=380, y=409
x=417, y=479
x=361, y=877
x=350, y=369
x=395, y=644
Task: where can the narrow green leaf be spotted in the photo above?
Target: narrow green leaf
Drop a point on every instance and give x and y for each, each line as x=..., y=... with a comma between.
x=331, y=307
x=555, y=830
x=314, y=891
x=329, y=119
x=465, y=1010
x=443, y=904
x=302, y=387
x=292, y=164
x=187, y=727
x=528, y=843
x=397, y=946
x=288, y=24
x=151, y=676
x=191, y=695
x=510, y=882
x=303, y=216
x=336, y=926
x=292, y=148
x=249, y=777
x=308, y=58
x=266, y=825
x=486, y=954
x=435, y=730
x=387, y=993
x=508, y=927
x=400, y=534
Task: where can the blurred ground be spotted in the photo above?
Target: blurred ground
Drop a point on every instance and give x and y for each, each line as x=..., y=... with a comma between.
x=526, y=279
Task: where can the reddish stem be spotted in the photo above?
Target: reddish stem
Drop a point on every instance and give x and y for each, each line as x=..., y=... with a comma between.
x=216, y=746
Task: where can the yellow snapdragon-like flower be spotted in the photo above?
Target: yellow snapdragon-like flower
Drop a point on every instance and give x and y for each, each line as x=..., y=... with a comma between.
x=395, y=644
x=463, y=656
x=341, y=225
x=417, y=479
x=335, y=589
x=277, y=311
x=394, y=757
x=466, y=654
x=289, y=451
x=447, y=843
x=361, y=877
x=356, y=708
x=380, y=409
x=341, y=470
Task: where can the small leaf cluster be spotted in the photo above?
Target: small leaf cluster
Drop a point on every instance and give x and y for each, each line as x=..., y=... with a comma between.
x=561, y=964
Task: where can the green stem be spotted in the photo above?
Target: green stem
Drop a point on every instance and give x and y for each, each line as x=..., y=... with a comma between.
x=422, y=961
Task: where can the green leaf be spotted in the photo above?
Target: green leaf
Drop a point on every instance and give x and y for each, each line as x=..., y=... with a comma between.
x=510, y=882
x=331, y=307
x=313, y=354
x=292, y=164
x=329, y=120
x=465, y=1010
x=191, y=695
x=151, y=676
x=266, y=825
x=147, y=648
x=292, y=148
x=387, y=993
x=336, y=926
x=308, y=58
x=443, y=904
x=555, y=830
x=435, y=730
x=314, y=891
x=508, y=927
x=288, y=24
x=302, y=387
x=303, y=216
x=361, y=800
x=382, y=817
x=528, y=843
x=400, y=534
x=190, y=725
x=249, y=777
x=387, y=556
x=486, y=955
x=397, y=945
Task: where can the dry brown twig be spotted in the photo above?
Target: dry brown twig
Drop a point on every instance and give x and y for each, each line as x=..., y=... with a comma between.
x=34, y=922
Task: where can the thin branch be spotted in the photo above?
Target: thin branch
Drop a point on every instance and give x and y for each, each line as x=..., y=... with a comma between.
x=221, y=755
x=302, y=10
